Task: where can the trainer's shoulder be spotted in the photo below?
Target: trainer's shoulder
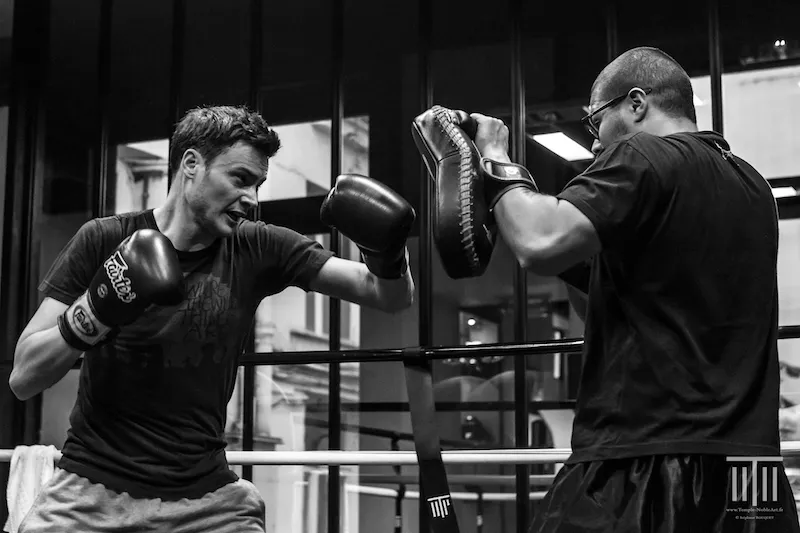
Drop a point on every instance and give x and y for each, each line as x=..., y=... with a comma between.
x=632, y=149
x=642, y=142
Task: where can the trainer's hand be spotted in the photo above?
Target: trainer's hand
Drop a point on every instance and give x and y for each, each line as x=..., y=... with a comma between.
x=491, y=137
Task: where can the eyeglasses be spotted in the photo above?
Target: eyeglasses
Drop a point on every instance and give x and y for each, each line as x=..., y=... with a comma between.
x=589, y=124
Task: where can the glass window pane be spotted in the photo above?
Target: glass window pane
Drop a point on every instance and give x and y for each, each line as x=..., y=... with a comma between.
x=788, y=267
x=684, y=38
x=681, y=31
x=140, y=176
x=140, y=74
x=295, y=96
x=760, y=110
x=291, y=403
x=65, y=199
x=761, y=91
x=701, y=85
x=302, y=167
x=296, y=497
x=216, y=68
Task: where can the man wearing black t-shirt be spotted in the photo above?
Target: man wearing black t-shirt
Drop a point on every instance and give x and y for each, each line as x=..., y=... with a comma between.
x=673, y=240
x=161, y=302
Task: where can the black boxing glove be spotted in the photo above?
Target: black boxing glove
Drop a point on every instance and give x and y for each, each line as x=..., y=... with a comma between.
x=374, y=217
x=501, y=177
x=143, y=270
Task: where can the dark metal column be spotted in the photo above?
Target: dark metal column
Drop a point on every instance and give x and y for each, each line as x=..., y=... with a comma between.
x=425, y=254
x=335, y=375
x=715, y=65
x=248, y=414
x=612, y=33
x=249, y=389
x=518, y=140
x=176, y=73
x=100, y=149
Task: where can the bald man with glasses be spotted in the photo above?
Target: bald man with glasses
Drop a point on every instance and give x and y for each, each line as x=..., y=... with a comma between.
x=672, y=242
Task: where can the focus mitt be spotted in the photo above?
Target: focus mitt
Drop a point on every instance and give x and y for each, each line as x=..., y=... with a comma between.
x=463, y=228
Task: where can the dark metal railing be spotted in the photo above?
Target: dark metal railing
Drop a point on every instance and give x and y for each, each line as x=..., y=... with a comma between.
x=437, y=353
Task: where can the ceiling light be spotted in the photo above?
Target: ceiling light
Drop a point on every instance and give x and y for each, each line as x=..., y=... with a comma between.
x=783, y=192
x=473, y=343
x=471, y=321
x=563, y=146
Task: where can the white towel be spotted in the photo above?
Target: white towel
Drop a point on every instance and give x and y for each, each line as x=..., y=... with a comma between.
x=32, y=467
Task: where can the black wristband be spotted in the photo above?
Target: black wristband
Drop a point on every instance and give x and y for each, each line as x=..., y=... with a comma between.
x=386, y=266
x=501, y=177
x=69, y=336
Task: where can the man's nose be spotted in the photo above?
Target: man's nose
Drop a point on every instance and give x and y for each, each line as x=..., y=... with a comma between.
x=250, y=200
x=597, y=147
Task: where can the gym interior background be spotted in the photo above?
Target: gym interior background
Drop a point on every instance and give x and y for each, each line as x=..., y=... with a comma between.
x=90, y=90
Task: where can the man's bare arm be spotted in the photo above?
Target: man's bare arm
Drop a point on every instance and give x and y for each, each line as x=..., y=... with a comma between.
x=352, y=281
x=545, y=234
x=42, y=357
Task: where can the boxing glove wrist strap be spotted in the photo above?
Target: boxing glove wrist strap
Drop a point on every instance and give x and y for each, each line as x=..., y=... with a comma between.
x=386, y=267
x=80, y=327
x=502, y=176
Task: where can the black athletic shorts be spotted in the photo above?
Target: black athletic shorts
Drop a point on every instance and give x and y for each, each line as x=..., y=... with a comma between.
x=668, y=494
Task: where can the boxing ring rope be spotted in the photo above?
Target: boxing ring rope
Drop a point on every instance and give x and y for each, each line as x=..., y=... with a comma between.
x=360, y=458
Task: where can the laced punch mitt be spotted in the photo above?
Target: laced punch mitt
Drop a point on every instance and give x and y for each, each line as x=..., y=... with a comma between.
x=463, y=228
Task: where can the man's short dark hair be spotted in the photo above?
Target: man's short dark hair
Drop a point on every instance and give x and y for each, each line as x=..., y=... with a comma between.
x=211, y=130
x=649, y=67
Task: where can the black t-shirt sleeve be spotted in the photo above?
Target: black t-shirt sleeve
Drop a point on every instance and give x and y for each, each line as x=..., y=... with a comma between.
x=617, y=193
x=578, y=276
x=76, y=264
x=298, y=258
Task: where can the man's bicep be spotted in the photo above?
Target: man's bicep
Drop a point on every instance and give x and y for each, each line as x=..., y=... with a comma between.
x=45, y=317
x=575, y=240
x=344, y=279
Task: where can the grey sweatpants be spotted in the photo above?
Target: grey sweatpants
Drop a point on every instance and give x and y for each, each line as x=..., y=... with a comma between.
x=73, y=503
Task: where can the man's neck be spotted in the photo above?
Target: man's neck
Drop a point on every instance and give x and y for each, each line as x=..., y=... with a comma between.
x=668, y=127
x=177, y=224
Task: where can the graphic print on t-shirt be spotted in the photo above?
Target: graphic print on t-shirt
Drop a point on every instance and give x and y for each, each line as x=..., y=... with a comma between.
x=201, y=326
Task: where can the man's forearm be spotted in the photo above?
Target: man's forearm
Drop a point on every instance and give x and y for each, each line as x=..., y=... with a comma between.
x=40, y=361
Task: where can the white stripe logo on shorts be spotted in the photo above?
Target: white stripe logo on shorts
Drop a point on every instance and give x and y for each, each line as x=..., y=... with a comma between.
x=440, y=506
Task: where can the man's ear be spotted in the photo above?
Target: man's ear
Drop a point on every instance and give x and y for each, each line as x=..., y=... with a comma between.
x=639, y=104
x=191, y=162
